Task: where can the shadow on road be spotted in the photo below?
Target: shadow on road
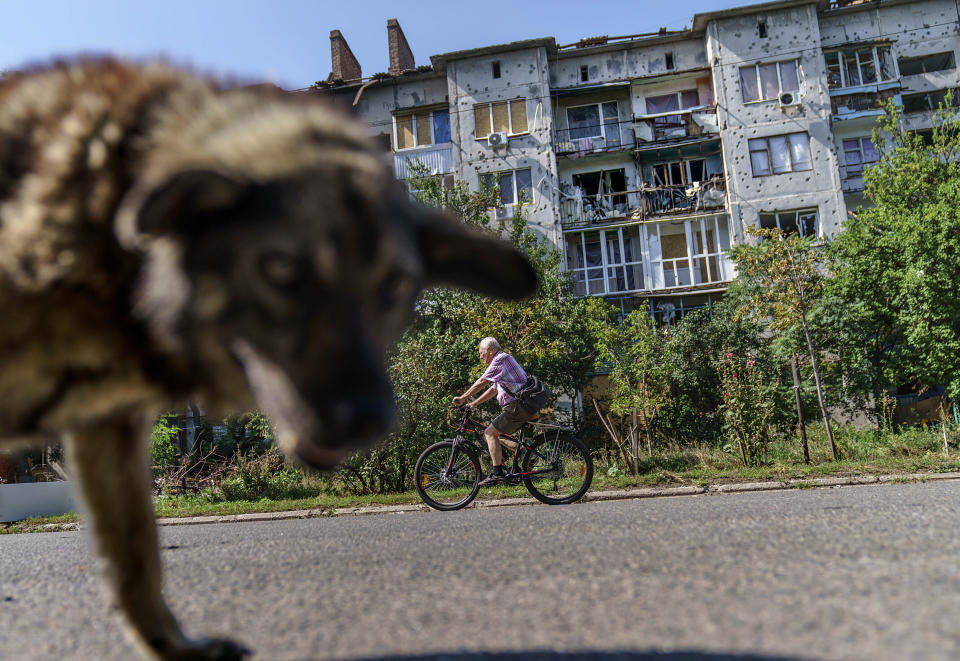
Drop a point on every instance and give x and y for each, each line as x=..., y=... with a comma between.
x=582, y=656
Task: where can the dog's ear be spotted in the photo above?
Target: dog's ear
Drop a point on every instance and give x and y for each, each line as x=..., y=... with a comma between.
x=456, y=256
x=175, y=203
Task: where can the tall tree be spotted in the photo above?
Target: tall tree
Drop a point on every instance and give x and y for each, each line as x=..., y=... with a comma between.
x=780, y=278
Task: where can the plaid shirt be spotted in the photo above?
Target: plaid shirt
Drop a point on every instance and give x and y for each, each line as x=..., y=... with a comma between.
x=504, y=370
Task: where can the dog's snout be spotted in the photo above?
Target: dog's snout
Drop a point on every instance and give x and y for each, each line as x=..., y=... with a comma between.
x=360, y=420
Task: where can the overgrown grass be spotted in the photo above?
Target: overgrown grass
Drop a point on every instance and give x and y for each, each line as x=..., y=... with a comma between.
x=273, y=488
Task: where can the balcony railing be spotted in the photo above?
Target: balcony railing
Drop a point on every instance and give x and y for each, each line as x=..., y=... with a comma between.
x=438, y=159
x=580, y=141
x=667, y=127
x=642, y=204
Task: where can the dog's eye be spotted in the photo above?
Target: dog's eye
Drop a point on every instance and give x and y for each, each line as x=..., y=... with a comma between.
x=280, y=270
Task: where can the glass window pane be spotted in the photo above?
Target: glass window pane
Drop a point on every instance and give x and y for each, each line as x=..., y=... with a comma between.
x=506, y=188
x=574, y=252
x=759, y=158
x=768, y=221
x=868, y=70
x=808, y=223
x=779, y=154
x=789, y=76
x=481, y=117
x=423, y=129
x=584, y=122
x=689, y=99
x=788, y=222
x=611, y=123
x=850, y=69
x=748, y=84
x=610, y=111
x=525, y=184
x=800, y=151
x=441, y=126
x=501, y=118
x=664, y=103
x=769, y=88
x=518, y=116
x=870, y=153
x=404, y=131
x=487, y=180
x=613, y=247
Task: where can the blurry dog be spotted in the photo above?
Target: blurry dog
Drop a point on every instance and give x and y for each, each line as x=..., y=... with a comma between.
x=161, y=238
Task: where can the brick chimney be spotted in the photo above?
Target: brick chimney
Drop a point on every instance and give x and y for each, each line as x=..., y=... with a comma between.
x=401, y=57
x=342, y=60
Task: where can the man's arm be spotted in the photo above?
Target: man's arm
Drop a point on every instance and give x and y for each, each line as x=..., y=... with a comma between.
x=477, y=386
x=489, y=393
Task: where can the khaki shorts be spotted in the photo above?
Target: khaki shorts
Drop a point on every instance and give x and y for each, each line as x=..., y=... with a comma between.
x=512, y=418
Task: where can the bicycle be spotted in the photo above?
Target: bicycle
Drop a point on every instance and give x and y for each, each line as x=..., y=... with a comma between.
x=554, y=465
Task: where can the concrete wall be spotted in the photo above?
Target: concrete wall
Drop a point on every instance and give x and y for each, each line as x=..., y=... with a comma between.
x=524, y=75
x=621, y=62
x=791, y=34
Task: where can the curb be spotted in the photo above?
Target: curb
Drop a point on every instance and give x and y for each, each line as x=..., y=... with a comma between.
x=596, y=496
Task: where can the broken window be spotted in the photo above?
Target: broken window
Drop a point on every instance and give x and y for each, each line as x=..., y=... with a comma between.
x=798, y=221
x=500, y=116
x=515, y=185
x=677, y=173
x=858, y=152
x=927, y=101
x=584, y=73
x=670, y=126
x=421, y=128
x=910, y=66
x=603, y=193
x=496, y=69
x=859, y=66
x=668, y=60
x=763, y=82
x=779, y=154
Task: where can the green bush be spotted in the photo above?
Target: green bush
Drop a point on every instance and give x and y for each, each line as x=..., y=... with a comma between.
x=265, y=477
x=163, y=446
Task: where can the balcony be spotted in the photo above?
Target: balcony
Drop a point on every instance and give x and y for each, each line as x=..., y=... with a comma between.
x=643, y=204
x=437, y=158
x=585, y=140
x=860, y=104
x=683, y=125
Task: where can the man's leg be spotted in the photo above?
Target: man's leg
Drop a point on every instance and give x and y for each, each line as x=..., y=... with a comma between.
x=492, y=436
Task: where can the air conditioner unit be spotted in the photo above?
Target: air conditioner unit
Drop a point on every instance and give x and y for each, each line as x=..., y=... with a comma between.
x=502, y=213
x=789, y=99
x=497, y=139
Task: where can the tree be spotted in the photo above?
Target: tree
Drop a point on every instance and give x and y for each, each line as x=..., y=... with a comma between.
x=780, y=278
x=633, y=351
x=898, y=262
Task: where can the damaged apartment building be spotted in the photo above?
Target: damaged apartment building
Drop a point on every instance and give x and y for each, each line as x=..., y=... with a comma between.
x=643, y=157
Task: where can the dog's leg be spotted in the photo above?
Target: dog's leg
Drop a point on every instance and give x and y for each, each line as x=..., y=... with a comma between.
x=111, y=462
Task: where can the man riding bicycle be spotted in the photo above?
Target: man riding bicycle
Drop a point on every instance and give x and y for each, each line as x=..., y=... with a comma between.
x=503, y=377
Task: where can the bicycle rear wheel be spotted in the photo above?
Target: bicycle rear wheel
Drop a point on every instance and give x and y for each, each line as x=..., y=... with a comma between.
x=557, y=469
x=447, y=478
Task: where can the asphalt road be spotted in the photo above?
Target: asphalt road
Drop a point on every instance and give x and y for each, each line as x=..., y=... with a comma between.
x=866, y=572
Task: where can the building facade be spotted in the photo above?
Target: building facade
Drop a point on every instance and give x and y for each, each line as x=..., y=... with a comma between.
x=643, y=158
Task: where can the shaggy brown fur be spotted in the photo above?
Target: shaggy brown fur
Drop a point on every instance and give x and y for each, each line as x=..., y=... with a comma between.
x=163, y=238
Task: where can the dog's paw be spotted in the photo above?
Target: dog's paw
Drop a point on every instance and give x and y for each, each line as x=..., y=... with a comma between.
x=208, y=649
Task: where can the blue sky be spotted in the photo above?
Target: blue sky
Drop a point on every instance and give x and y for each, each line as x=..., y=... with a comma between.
x=288, y=41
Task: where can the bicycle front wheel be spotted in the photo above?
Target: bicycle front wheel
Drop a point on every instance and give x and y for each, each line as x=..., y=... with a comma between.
x=447, y=477
x=557, y=469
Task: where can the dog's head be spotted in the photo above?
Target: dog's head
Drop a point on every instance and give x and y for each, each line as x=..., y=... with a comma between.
x=301, y=282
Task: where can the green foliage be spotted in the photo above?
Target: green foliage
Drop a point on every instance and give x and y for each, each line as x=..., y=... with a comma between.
x=746, y=408
x=163, y=442
x=264, y=477
x=898, y=262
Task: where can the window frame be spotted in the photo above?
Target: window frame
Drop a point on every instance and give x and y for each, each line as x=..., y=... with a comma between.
x=842, y=54
x=416, y=118
x=863, y=162
x=485, y=176
x=489, y=105
x=602, y=123
x=767, y=151
x=797, y=213
x=780, y=90
x=919, y=59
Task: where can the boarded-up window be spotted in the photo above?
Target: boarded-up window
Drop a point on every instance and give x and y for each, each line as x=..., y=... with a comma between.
x=673, y=246
x=501, y=117
x=423, y=130
x=481, y=117
x=518, y=116
x=405, y=132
